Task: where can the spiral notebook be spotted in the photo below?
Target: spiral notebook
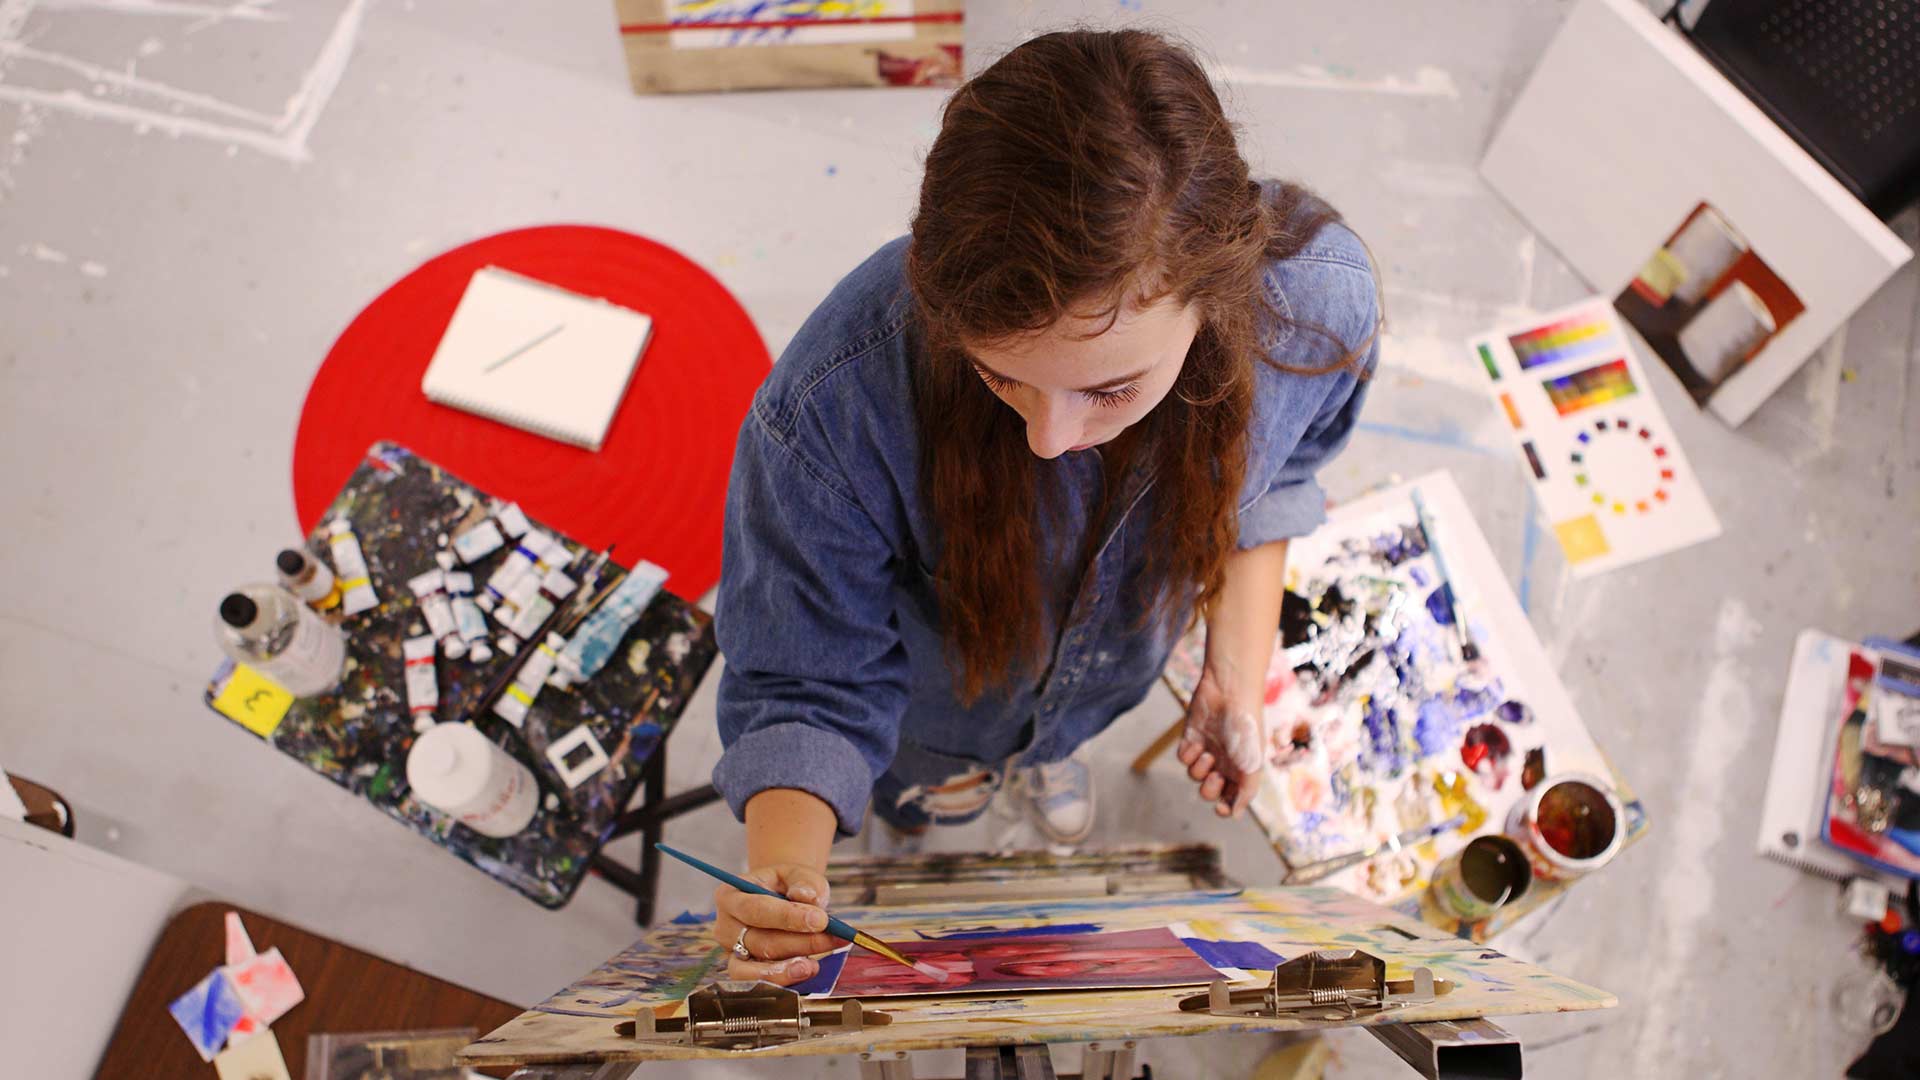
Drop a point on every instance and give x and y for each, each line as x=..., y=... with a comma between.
x=1792, y=818
x=533, y=355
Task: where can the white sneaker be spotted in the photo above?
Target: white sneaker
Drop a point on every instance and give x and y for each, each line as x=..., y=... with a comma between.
x=1058, y=797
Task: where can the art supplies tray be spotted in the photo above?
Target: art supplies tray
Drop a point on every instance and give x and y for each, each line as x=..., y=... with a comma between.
x=1379, y=725
x=358, y=735
x=581, y=1024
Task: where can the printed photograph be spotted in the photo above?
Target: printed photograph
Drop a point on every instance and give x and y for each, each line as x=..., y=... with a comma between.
x=1706, y=302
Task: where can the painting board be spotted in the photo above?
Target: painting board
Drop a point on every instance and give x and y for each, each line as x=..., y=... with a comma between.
x=578, y=1024
x=675, y=46
x=1609, y=477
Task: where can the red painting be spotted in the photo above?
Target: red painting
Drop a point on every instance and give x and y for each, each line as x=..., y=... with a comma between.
x=977, y=965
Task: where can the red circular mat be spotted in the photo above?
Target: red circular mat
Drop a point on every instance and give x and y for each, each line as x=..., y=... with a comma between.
x=657, y=486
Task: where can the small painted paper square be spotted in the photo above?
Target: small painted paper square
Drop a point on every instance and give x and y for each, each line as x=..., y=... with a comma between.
x=267, y=986
x=239, y=946
x=256, y=1058
x=208, y=1012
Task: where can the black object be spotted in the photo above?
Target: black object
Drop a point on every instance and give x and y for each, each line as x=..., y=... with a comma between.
x=238, y=610
x=1840, y=76
x=1895, y=1055
x=290, y=562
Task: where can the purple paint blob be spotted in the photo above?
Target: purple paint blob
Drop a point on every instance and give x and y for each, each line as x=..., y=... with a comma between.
x=1419, y=576
x=1444, y=716
x=1380, y=752
x=1514, y=712
x=1440, y=604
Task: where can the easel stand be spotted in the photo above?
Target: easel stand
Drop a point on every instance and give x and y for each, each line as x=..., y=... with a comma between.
x=655, y=810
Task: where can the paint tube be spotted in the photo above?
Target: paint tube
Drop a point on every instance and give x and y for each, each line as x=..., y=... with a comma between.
x=594, y=643
x=430, y=589
x=423, y=680
x=518, y=698
x=555, y=587
x=520, y=560
x=469, y=624
x=350, y=564
x=524, y=591
x=478, y=542
x=309, y=579
x=556, y=556
x=512, y=520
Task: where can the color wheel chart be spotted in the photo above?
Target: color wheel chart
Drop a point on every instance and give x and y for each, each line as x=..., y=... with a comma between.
x=1611, y=480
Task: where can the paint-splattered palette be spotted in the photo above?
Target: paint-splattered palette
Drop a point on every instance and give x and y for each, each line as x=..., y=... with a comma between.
x=1611, y=479
x=358, y=736
x=1378, y=724
x=578, y=1024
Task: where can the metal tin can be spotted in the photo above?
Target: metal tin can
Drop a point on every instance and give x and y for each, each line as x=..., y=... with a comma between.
x=1483, y=877
x=1570, y=825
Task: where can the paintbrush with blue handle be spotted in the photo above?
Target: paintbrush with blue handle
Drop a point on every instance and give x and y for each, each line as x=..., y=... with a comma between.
x=835, y=927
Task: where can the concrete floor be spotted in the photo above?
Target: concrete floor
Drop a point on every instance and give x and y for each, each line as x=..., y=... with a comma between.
x=172, y=272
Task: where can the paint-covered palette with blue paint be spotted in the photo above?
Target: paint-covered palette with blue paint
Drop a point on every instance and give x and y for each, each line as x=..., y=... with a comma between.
x=1408, y=688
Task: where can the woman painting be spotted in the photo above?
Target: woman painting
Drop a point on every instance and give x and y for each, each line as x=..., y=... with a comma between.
x=1012, y=456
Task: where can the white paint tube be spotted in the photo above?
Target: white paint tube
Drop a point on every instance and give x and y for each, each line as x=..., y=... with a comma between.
x=512, y=520
x=430, y=590
x=554, y=588
x=556, y=556
x=423, y=680
x=350, y=565
x=478, y=542
x=594, y=643
x=519, y=561
x=469, y=624
x=524, y=591
x=518, y=698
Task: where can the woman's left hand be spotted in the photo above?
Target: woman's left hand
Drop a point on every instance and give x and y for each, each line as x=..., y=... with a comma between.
x=1224, y=743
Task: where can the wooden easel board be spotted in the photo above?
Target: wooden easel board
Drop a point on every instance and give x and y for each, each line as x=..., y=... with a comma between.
x=577, y=1025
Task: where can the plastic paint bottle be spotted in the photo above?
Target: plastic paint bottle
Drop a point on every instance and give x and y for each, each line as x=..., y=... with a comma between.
x=460, y=772
x=268, y=629
x=309, y=579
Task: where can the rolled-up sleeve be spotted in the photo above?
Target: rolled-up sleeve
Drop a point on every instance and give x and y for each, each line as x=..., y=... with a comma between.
x=1293, y=503
x=815, y=681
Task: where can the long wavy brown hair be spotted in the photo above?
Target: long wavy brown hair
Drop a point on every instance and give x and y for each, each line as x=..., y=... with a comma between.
x=1082, y=172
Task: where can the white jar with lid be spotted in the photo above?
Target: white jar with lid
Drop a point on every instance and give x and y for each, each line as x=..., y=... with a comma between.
x=460, y=772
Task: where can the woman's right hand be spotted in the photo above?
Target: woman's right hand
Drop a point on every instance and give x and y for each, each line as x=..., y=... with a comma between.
x=781, y=934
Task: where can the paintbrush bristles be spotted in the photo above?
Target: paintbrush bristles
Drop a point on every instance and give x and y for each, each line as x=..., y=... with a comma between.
x=875, y=945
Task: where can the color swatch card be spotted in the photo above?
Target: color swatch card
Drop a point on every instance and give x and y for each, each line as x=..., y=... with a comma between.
x=1610, y=477
x=536, y=356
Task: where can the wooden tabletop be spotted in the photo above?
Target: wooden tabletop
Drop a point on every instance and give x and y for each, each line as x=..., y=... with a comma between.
x=347, y=991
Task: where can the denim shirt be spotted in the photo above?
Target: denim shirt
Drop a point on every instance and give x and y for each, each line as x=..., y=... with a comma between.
x=826, y=614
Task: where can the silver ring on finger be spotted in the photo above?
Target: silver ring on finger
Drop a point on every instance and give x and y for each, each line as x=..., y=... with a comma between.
x=740, y=945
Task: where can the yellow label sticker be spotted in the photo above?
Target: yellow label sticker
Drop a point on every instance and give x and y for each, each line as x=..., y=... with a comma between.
x=253, y=701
